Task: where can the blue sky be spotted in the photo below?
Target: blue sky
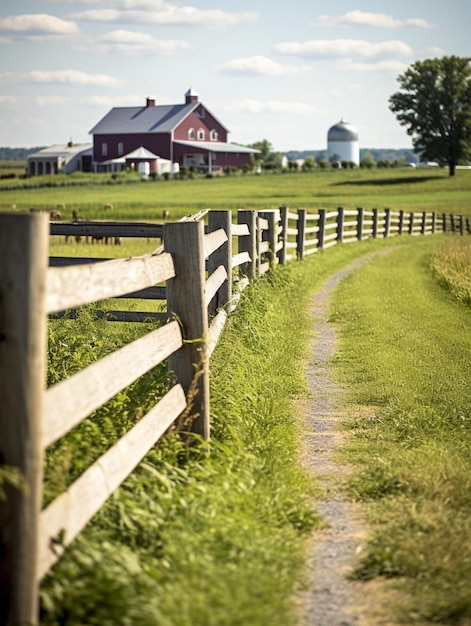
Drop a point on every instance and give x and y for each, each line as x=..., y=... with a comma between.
x=282, y=70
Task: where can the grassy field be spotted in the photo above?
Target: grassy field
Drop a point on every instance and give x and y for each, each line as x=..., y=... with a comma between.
x=408, y=189
x=405, y=360
x=193, y=539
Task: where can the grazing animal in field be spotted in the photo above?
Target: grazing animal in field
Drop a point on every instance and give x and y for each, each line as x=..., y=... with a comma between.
x=61, y=206
x=165, y=214
x=13, y=207
x=108, y=206
x=55, y=214
x=117, y=241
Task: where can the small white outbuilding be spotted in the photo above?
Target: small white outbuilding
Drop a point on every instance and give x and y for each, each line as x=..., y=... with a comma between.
x=343, y=143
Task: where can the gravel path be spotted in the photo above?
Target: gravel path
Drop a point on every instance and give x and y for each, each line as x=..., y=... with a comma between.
x=331, y=599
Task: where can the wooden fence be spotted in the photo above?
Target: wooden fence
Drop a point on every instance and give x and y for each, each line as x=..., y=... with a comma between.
x=200, y=277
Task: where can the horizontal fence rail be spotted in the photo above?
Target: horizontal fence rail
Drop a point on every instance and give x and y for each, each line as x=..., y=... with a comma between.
x=198, y=273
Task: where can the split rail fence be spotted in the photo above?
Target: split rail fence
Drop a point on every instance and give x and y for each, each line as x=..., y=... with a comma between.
x=200, y=277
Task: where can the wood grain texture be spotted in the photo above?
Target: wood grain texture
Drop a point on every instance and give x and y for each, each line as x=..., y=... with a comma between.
x=78, y=285
x=23, y=267
x=69, y=513
x=66, y=404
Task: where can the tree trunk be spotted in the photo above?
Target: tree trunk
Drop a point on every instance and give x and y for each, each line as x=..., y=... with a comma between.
x=451, y=168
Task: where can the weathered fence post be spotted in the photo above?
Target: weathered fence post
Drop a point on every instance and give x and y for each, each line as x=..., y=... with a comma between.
x=271, y=235
x=400, y=227
x=360, y=220
x=321, y=231
x=248, y=243
x=468, y=226
x=375, y=223
x=24, y=243
x=283, y=235
x=340, y=223
x=444, y=222
x=387, y=222
x=452, y=222
x=301, y=234
x=433, y=222
x=221, y=256
x=186, y=300
x=423, y=223
x=461, y=225
x=411, y=223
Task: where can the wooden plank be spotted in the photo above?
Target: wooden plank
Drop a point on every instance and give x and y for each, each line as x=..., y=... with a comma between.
x=78, y=285
x=150, y=293
x=215, y=329
x=239, y=259
x=330, y=237
x=65, y=517
x=330, y=244
x=239, y=230
x=311, y=230
x=213, y=241
x=312, y=217
x=66, y=404
x=23, y=266
x=107, y=229
x=262, y=223
x=331, y=215
x=214, y=282
x=264, y=267
x=292, y=231
x=264, y=247
x=292, y=216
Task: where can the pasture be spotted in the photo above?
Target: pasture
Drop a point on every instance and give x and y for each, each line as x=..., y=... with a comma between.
x=242, y=513
x=400, y=189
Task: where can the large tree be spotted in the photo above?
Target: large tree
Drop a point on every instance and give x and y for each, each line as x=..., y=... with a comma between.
x=434, y=104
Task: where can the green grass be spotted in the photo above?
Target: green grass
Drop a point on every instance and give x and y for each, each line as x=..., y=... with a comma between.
x=407, y=189
x=191, y=538
x=405, y=359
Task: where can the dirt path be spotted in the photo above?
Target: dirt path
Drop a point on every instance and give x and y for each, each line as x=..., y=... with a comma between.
x=331, y=599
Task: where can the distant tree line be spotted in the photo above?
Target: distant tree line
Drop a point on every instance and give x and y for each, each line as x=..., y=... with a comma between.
x=17, y=154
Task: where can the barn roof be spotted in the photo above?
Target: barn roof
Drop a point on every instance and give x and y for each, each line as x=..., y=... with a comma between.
x=143, y=119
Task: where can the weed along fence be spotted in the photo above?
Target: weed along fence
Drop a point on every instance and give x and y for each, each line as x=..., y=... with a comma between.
x=199, y=272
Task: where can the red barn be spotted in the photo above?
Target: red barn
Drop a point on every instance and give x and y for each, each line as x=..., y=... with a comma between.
x=186, y=133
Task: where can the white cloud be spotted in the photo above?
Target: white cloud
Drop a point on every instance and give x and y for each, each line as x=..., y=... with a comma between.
x=435, y=51
x=74, y=77
x=130, y=42
x=377, y=20
x=383, y=67
x=265, y=106
x=20, y=26
x=338, y=48
x=8, y=101
x=89, y=101
x=161, y=12
x=259, y=66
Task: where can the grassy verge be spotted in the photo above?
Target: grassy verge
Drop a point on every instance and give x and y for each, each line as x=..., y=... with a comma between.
x=405, y=357
x=194, y=538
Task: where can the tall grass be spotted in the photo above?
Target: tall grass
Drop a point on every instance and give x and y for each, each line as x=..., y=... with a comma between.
x=451, y=265
x=404, y=356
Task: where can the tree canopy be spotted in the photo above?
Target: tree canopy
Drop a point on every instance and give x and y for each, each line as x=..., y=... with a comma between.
x=434, y=104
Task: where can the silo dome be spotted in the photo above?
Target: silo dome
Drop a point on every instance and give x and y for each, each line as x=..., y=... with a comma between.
x=342, y=142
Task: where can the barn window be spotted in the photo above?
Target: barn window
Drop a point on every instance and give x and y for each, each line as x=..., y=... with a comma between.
x=201, y=134
x=104, y=149
x=191, y=133
x=214, y=135
x=120, y=148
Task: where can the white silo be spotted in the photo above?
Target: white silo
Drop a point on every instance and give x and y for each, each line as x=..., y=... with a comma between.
x=342, y=143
